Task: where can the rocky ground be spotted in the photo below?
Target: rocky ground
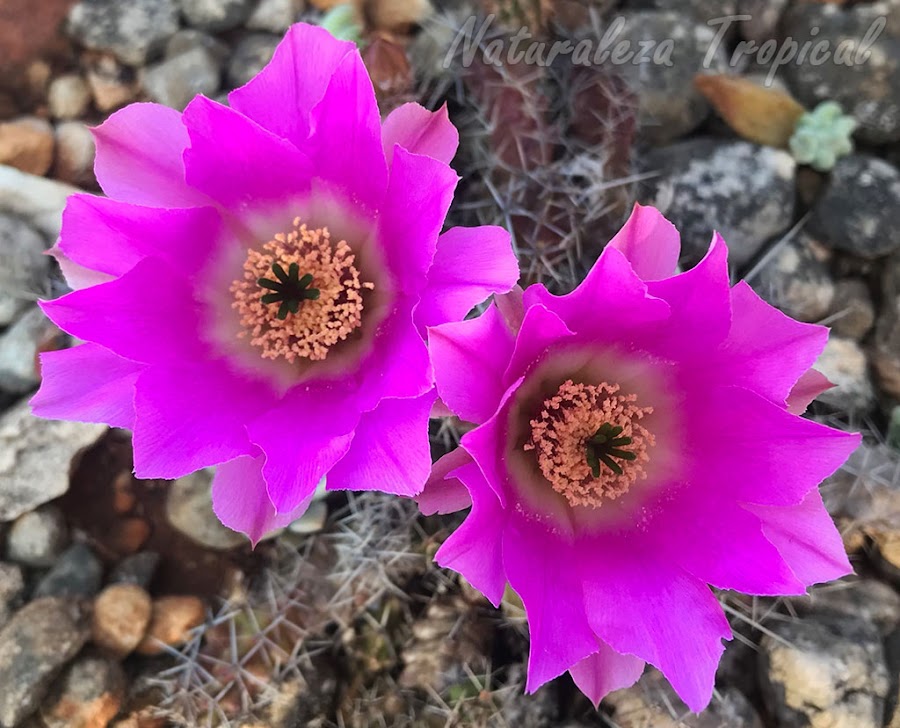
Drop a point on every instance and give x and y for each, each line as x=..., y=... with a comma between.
x=125, y=603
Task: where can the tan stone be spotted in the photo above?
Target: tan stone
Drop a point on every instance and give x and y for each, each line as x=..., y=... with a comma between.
x=75, y=151
x=27, y=144
x=173, y=619
x=121, y=617
x=112, y=84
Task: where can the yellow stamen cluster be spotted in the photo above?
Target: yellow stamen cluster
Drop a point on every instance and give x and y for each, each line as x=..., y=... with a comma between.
x=318, y=324
x=560, y=437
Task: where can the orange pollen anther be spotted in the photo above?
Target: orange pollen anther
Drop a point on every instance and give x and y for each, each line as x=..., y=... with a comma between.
x=326, y=307
x=589, y=443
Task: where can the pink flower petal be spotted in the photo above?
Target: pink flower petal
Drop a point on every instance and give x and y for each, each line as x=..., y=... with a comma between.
x=810, y=385
x=87, y=384
x=611, y=305
x=469, y=265
x=390, y=450
x=700, y=303
x=139, y=157
x=117, y=315
x=765, y=351
x=282, y=95
x=112, y=237
x=807, y=539
x=445, y=493
x=419, y=194
x=439, y=409
x=420, y=131
x=649, y=242
x=541, y=329
x=641, y=604
x=487, y=446
x=191, y=417
x=345, y=144
x=398, y=366
x=302, y=438
x=720, y=543
x=227, y=146
x=765, y=454
x=76, y=275
x=605, y=671
x=475, y=548
x=553, y=597
x=471, y=356
x=512, y=307
x=241, y=503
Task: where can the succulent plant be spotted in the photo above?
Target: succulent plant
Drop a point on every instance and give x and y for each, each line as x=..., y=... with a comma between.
x=823, y=136
x=342, y=21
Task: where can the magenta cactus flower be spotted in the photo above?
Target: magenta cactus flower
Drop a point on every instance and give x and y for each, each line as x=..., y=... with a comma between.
x=255, y=292
x=637, y=441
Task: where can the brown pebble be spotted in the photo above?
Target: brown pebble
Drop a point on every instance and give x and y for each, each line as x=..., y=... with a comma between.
x=121, y=617
x=173, y=618
x=27, y=144
x=129, y=535
x=140, y=719
x=89, y=694
x=123, y=493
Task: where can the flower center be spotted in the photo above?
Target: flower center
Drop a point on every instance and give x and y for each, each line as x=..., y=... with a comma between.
x=300, y=295
x=589, y=443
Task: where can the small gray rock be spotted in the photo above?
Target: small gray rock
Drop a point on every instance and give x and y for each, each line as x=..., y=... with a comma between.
x=866, y=490
x=653, y=702
x=23, y=267
x=89, y=693
x=37, y=538
x=827, y=671
x=68, y=97
x=189, y=39
x=846, y=366
x=36, y=200
x=12, y=590
x=138, y=568
x=34, y=646
x=132, y=31
x=274, y=16
x=765, y=15
x=886, y=345
x=702, y=10
x=868, y=599
x=250, y=56
x=857, y=213
x=796, y=279
x=867, y=83
x=216, y=15
x=669, y=106
x=852, y=313
x=174, y=82
x=20, y=345
x=36, y=457
x=189, y=509
x=77, y=573
x=75, y=152
x=743, y=190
